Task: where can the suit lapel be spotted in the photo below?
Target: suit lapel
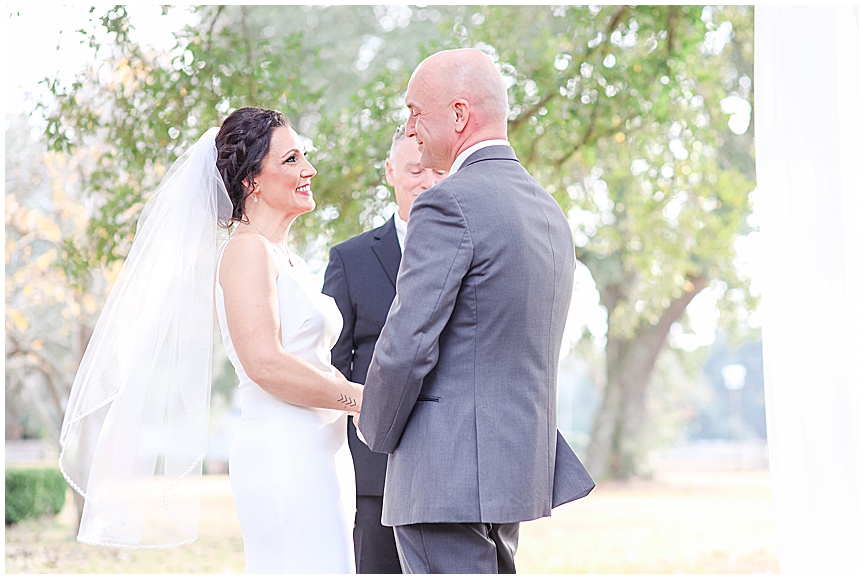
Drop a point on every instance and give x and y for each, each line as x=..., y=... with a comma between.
x=386, y=248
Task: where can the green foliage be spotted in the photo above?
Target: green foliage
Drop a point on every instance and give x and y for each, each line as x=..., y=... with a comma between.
x=141, y=109
x=33, y=492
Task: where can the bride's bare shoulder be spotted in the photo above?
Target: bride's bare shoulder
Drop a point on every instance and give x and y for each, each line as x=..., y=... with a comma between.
x=247, y=243
x=247, y=250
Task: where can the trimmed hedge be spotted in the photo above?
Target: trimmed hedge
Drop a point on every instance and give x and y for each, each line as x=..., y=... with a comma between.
x=33, y=492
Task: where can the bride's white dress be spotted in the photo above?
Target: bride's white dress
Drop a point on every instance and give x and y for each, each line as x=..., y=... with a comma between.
x=291, y=469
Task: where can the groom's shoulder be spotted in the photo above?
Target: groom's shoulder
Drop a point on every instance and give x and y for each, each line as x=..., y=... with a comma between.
x=442, y=193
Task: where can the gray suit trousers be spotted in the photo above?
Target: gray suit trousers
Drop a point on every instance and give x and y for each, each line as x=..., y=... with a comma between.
x=475, y=548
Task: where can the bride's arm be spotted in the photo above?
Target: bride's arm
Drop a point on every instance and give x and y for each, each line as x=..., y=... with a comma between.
x=248, y=278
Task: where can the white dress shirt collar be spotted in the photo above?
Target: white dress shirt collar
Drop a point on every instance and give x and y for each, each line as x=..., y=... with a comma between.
x=475, y=147
x=401, y=229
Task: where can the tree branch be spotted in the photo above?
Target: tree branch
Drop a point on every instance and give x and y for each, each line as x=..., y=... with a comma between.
x=250, y=77
x=613, y=24
x=212, y=28
x=673, y=313
x=44, y=366
x=592, y=123
x=611, y=279
x=610, y=28
x=670, y=29
x=521, y=119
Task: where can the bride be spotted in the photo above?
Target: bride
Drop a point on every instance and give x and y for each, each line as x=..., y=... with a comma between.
x=134, y=434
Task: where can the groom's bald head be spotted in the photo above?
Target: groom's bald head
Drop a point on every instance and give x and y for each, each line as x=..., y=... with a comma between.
x=470, y=74
x=458, y=98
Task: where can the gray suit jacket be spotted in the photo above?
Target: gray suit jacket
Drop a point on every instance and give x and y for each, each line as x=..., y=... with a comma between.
x=461, y=390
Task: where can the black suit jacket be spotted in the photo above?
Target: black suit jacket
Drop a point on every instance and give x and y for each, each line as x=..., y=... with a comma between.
x=361, y=277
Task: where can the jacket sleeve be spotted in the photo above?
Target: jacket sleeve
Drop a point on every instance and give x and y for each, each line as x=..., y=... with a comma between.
x=336, y=286
x=438, y=253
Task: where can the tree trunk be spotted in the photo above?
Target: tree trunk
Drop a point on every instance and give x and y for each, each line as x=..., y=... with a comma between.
x=616, y=448
x=85, y=332
x=614, y=451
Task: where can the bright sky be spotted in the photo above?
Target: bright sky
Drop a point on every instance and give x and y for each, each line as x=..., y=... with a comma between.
x=33, y=31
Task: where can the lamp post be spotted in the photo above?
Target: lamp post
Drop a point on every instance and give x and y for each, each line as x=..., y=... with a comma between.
x=734, y=377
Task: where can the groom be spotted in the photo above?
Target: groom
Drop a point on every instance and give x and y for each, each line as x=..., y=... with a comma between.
x=461, y=390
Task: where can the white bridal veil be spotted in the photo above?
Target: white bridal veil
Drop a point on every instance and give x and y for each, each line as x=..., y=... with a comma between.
x=135, y=430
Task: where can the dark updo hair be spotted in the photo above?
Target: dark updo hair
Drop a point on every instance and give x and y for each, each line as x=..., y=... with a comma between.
x=241, y=145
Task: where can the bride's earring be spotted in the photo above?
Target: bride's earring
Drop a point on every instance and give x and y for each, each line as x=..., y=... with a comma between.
x=255, y=198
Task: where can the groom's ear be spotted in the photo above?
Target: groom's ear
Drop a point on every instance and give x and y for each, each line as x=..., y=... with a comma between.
x=461, y=112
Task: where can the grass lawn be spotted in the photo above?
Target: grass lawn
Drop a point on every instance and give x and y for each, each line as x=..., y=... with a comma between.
x=683, y=522
x=680, y=522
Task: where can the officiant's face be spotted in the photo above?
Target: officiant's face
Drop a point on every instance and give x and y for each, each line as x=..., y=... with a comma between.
x=407, y=176
x=429, y=121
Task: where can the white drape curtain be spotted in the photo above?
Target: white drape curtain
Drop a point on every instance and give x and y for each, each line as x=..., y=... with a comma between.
x=810, y=178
